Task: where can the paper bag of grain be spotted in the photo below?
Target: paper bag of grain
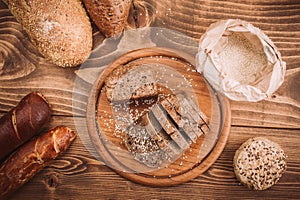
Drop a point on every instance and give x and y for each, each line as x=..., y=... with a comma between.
x=239, y=60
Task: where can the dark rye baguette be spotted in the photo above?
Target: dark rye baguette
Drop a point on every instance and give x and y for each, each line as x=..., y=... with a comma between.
x=60, y=30
x=23, y=122
x=30, y=158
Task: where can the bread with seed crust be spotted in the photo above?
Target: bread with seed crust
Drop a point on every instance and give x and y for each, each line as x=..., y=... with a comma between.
x=149, y=144
x=61, y=30
x=259, y=163
x=164, y=132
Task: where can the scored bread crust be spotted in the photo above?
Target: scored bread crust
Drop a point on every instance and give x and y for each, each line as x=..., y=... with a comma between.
x=259, y=163
x=32, y=157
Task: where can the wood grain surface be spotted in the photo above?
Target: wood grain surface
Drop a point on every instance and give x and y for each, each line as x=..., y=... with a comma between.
x=79, y=175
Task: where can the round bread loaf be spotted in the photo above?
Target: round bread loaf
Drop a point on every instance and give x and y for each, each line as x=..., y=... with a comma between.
x=259, y=163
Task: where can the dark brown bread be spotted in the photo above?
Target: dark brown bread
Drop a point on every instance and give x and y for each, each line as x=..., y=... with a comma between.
x=61, y=30
x=143, y=147
x=149, y=143
x=165, y=131
x=23, y=122
x=110, y=16
x=30, y=158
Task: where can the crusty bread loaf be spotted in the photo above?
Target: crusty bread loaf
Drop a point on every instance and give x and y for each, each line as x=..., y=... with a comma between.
x=32, y=157
x=23, y=122
x=259, y=163
x=110, y=16
x=130, y=82
x=61, y=30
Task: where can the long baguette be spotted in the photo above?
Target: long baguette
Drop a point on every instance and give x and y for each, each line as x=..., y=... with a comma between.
x=30, y=158
x=23, y=122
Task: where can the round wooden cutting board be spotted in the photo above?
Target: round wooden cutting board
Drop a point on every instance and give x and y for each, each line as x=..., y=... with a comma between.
x=109, y=142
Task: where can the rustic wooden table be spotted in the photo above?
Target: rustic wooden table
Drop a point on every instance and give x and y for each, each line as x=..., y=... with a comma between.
x=78, y=175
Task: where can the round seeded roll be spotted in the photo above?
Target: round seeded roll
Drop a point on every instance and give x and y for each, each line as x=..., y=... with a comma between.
x=259, y=163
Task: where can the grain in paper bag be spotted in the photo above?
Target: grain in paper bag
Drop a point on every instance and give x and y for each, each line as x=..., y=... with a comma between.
x=240, y=61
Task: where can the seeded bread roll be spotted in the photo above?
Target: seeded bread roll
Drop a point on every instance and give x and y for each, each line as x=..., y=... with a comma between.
x=61, y=30
x=259, y=163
